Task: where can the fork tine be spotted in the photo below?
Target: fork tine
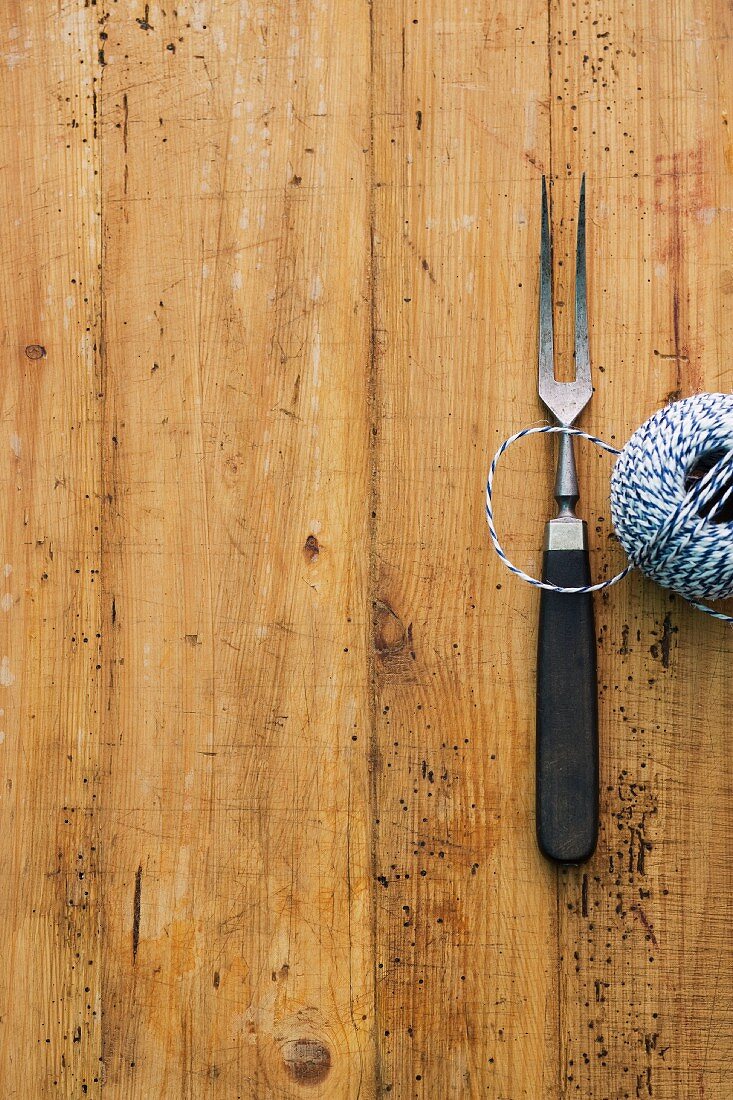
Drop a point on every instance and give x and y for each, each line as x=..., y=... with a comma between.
x=582, y=356
x=565, y=400
x=546, y=343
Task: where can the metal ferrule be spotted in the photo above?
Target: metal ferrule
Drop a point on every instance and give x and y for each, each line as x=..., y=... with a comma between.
x=566, y=533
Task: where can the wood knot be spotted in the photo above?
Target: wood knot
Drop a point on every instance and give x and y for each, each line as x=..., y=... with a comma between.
x=312, y=549
x=390, y=635
x=35, y=351
x=233, y=467
x=308, y=1061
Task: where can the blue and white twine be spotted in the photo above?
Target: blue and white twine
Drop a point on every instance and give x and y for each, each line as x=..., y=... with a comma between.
x=668, y=529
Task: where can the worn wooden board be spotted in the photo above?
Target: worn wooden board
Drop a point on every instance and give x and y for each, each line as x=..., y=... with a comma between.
x=266, y=775
x=51, y=667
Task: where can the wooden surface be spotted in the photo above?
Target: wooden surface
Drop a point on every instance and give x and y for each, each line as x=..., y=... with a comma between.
x=268, y=280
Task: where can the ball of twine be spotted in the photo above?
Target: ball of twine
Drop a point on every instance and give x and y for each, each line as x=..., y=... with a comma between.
x=671, y=499
x=671, y=491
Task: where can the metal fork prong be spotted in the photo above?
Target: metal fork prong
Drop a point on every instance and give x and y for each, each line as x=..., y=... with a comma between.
x=546, y=342
x=565, y=400
x=582, y=356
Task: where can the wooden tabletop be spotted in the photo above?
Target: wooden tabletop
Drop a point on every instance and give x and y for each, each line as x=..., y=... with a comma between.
x=269, y=277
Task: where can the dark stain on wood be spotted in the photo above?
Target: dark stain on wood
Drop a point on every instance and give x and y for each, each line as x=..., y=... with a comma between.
x=311, y=550
x=136, y=911
x=307, y=1061
x=666, y=643
x=662, y=650
x=145, y=23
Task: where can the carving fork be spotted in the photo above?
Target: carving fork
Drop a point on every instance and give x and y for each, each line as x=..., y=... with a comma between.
x=567, y=703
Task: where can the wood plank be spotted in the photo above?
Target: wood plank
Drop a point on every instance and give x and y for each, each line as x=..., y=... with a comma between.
x=50, y=665
x=238, y=886
x=466, y=947
x=645, y=953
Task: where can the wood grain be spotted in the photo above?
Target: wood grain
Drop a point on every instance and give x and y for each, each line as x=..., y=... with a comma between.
x=269, y=290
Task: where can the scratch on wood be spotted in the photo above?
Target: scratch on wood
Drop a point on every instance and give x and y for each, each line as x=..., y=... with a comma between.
x=125, y=123
x=644, y=919
x=136, y=912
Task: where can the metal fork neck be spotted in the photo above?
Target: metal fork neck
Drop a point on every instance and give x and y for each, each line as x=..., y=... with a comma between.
x=566, y=479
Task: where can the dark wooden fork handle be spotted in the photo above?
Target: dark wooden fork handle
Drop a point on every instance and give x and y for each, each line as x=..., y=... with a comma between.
x=567, y=713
